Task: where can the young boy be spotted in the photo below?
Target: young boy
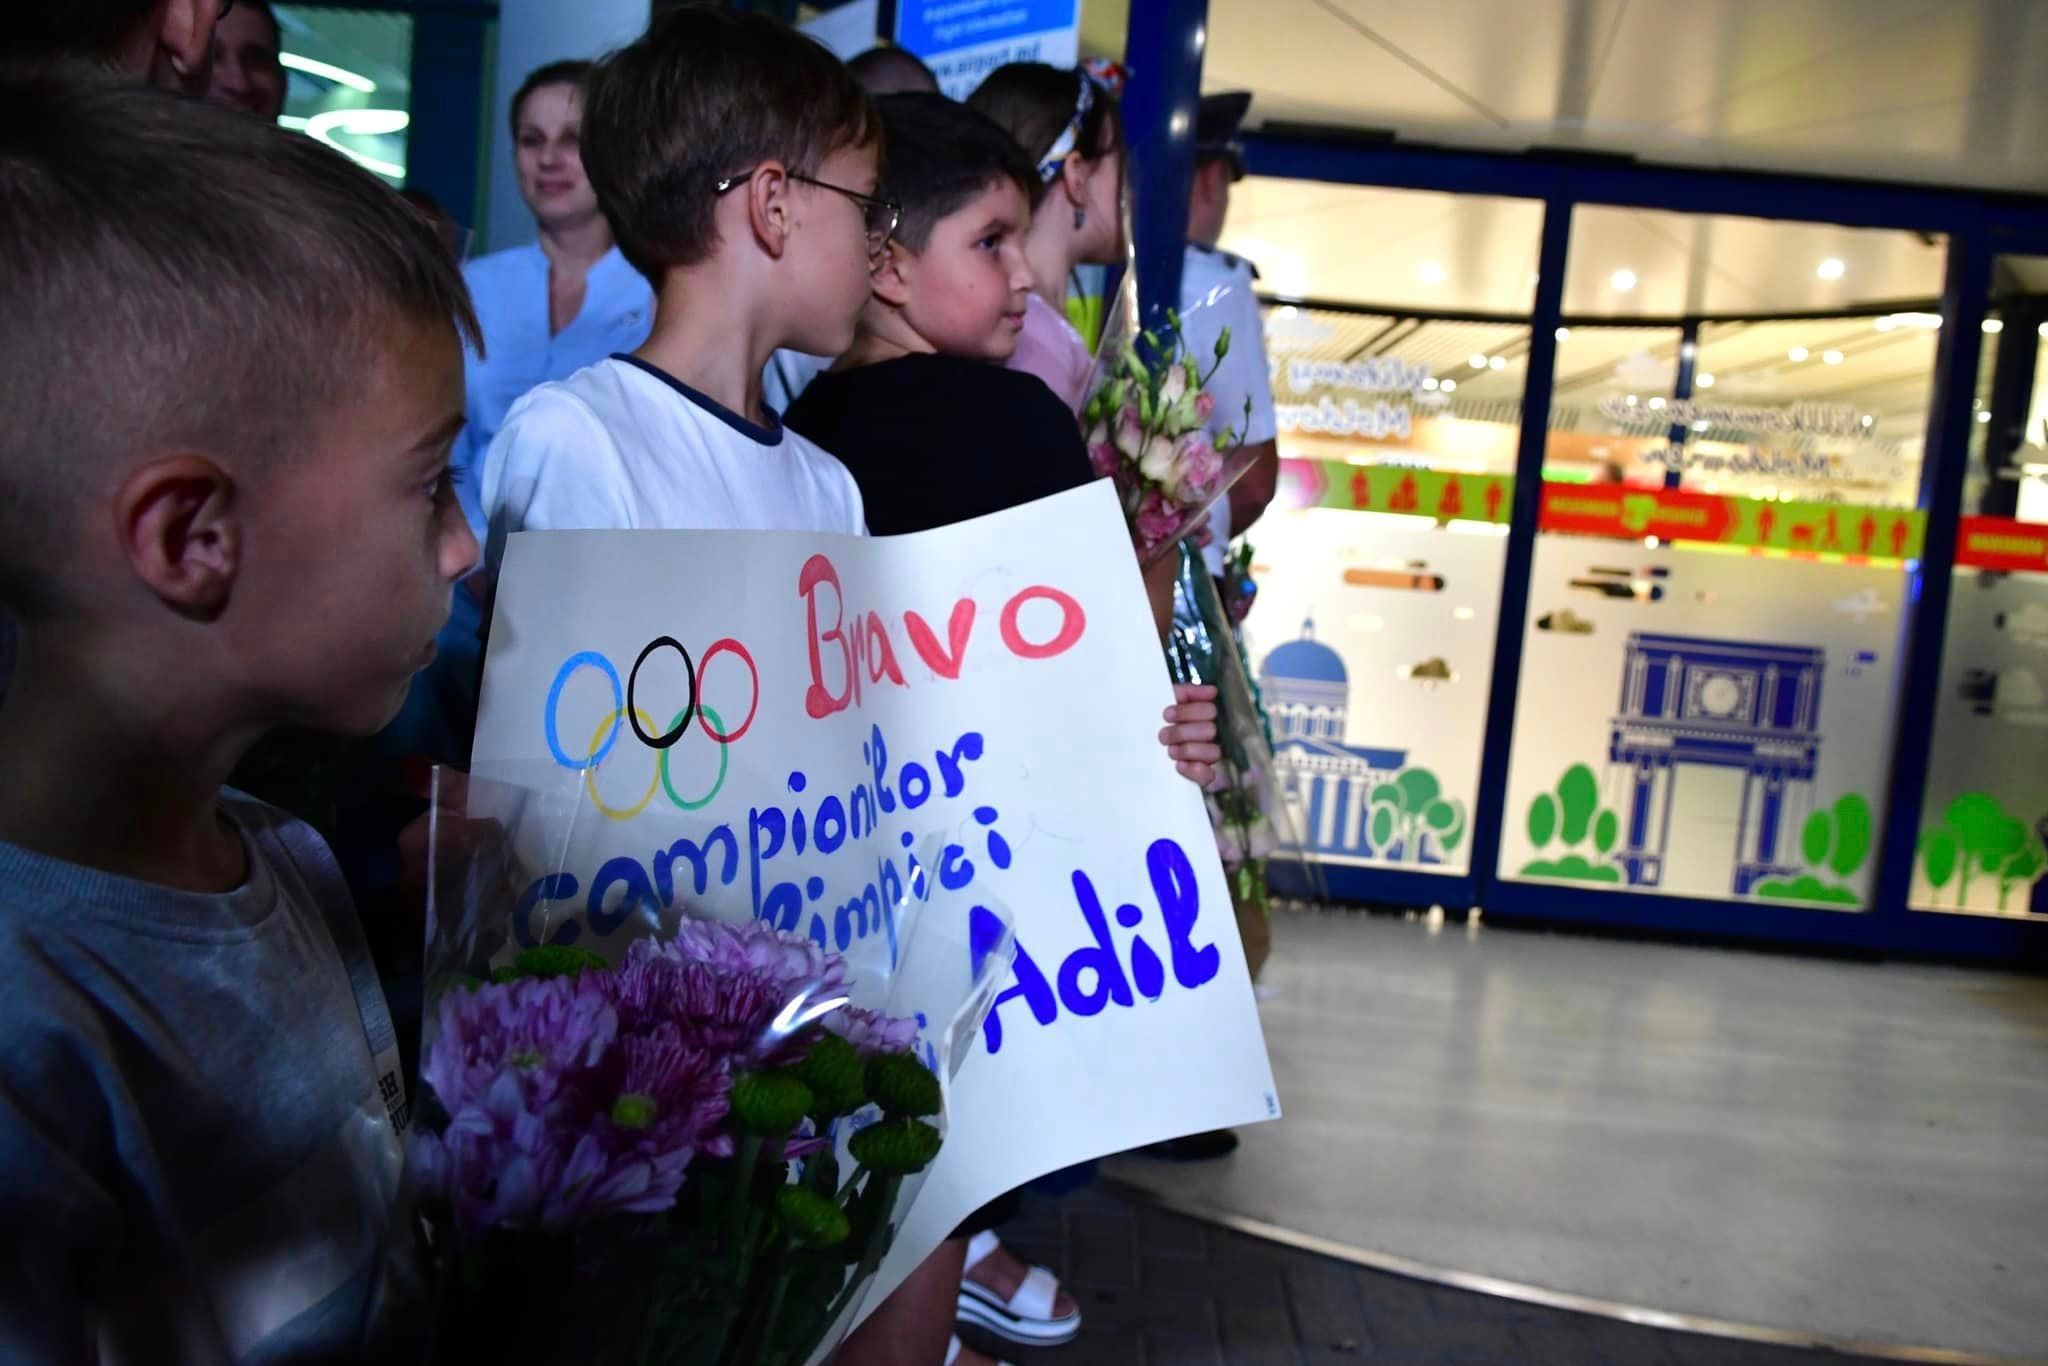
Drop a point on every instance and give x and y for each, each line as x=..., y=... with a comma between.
x=921, y=409
x=233, y=377
x=736, y=160
x=936, y=431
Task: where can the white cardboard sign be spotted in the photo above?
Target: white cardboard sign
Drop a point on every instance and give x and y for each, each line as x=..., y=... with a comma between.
x=987, y=695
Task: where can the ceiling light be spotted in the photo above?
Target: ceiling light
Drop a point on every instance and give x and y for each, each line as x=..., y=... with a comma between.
x=1831, y=357
x=1564, y=333
x=1869, y=421
x=1701, y=424
x=1286, y=311
x=326, y=71
x=1623, y=280
x=1885, y=324
x=1449, y=386
x=1926, y=322
x=1704, y=380
x=1632, y=400
x=1984, y=417
x=1430, y=383
x=1797, y=353
x=1657, y=404
x=1832, y=269
x=1430, y=273
x=1994, y=326
x=1477, y=360
x=1497, y=363
x=2042, y=329
x=323, y=126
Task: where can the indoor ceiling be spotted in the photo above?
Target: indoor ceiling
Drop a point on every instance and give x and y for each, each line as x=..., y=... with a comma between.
x=1465, y=253
x=1945, y=91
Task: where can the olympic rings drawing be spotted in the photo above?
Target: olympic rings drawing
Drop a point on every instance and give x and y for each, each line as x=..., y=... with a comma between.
x=626, y=712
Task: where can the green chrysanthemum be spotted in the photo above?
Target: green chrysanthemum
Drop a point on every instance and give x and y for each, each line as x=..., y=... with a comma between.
x=833, y=1072
x=810, y=1218
x=769, y=1102
x=902, y=1086
x=549, y=960
x=634, y=1111
x=896, y=1147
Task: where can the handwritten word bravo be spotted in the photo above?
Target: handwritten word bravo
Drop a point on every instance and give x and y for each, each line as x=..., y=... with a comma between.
x=1092, y=977
x=862, y=652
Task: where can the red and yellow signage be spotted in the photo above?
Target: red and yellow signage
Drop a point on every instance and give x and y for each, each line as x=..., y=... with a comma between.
x=2002, y=543
x=1441, y=494
x=1627, y=512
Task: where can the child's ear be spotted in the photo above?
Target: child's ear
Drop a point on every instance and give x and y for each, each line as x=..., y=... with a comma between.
x=769, y=208
x=890, y=276
x=179, y=520
x=1074, y=174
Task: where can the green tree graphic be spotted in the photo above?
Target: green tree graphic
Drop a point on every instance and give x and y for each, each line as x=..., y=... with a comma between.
x=1571, y=815
x=1834, y=840
x=1978, y=836
x=1411, y=807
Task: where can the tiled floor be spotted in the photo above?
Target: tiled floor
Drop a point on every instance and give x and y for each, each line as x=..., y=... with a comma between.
x=1158, y=1289
x=1852, y=1150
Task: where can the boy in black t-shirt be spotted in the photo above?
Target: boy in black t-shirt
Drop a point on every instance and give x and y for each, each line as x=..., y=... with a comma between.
x=921, y=409
x=937, y=431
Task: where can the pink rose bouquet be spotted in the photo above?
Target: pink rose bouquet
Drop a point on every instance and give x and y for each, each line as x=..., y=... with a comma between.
x=1148, y=428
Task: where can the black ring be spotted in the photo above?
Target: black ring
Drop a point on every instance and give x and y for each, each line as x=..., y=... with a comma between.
x=689, y=712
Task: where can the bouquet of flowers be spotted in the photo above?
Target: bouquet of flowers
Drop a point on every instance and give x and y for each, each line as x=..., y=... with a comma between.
x=1247, y=807
x=1148, y=421
x=670, y=1138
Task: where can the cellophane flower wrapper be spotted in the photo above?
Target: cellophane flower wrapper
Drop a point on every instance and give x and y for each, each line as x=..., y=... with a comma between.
x=658, y=1131
x=1247, y=805
x=1152, y=426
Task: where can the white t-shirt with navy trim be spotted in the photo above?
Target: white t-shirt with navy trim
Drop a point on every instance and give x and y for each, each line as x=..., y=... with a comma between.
x=622, y=445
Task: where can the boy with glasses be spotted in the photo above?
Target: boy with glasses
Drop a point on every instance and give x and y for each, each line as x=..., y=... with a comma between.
x=736, y=160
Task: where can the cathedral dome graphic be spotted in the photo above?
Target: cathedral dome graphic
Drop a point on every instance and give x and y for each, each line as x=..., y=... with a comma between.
x=1329, y=784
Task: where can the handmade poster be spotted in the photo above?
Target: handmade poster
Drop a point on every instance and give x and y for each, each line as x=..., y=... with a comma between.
x=972, y=710
x=1372, y=642
x=1703, y=722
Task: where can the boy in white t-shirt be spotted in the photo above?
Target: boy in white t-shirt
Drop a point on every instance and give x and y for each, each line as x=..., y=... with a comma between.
x=736, y=160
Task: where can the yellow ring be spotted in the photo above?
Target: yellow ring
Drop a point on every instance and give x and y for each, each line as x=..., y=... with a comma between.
x=613, y=813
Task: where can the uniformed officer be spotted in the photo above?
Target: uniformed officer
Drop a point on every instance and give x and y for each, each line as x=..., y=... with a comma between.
x=1216, y=291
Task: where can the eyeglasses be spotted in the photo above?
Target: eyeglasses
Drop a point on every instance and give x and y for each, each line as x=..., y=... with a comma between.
x=879, y=215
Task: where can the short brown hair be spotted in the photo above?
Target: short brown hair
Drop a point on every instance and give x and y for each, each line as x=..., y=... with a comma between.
x=942, y=156
x=540, y=78
x=704, y=94
x=178, y=274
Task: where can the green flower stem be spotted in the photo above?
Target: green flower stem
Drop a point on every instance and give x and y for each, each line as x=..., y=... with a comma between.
x=871, y=1255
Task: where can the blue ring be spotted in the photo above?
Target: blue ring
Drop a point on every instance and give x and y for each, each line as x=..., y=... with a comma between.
x=569, y=667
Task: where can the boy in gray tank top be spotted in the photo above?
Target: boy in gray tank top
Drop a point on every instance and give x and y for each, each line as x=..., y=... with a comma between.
x=233, y=375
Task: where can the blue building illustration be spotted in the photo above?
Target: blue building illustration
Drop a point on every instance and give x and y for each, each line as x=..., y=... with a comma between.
x=1748, y=705
x=1328, y=784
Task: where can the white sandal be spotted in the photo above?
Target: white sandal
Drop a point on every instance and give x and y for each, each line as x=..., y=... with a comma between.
x=1026, y=1318
x=953, y=1353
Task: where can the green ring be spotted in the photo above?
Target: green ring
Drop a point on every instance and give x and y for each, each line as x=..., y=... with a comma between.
x=723, y=761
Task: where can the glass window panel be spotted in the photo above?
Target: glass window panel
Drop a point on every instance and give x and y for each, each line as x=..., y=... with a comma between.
x=1983, y=823
x=1379, y=566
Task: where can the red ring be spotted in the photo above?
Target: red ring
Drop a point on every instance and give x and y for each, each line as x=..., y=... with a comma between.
x=704, y=668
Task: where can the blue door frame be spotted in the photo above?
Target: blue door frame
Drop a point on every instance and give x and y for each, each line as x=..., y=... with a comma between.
x=1166, y=38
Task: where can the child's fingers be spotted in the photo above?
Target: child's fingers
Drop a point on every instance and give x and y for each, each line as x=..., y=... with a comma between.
x=1201, y=733
x=1201, y=775
x=1194, y=692
x=1182, y=712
